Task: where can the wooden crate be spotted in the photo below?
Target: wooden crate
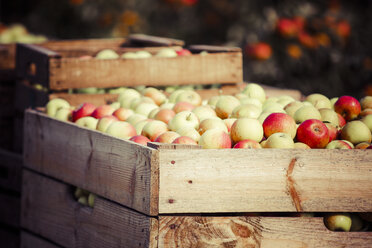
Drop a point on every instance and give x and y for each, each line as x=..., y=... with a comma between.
x=168, y=181
x=29, y=240
x=60, y=71
x=50, y=210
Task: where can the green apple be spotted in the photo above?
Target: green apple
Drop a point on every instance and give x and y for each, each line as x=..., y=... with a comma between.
x=319, y=101
x=91, y=198
x=305, y=113
x=279, y=140
x=107, y=54
x=129, y=55
x=143, y=54
x=166, y=53
x=338, y=222
x=356, y=132
x=254, y=90
x=88, y=122
x=367, y=120
x=83, y=200
x=89, y=90
x=55, y=104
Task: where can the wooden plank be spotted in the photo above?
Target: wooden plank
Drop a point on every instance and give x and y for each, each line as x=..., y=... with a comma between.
x=10, y=170
x=157, y=145
x=7, y=57
x=264, y=232
x=10, y=206
x=196, y=69
x=213, y=49
x=9, y=238
x=150, y=40
x=120, y=170
x=7, y=95
x=50, y=210
x=29, y=240
x=265, y=180
x=28, y=97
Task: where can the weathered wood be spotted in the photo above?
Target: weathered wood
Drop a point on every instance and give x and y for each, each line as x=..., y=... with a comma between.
x=10, y=206
x=196, y=69
x=150, y=40
x=264, y=232
x=213, y=49
x=29, y=240
x=7, y=57
x=9, y=238
x=10, y=170
x=50, y=210
x=265, y=180
x=157, y=145
x=120, y=170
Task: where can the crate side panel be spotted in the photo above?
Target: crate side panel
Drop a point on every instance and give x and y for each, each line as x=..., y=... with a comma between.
x=265, y=232
x=243, y=180
x=29, y=240
x=10, y=170
x=196, y=69
x=50, y=210
x=114, y=168
x=10, y=206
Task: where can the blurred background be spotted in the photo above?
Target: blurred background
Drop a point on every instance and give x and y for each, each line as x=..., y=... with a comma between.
x=313, y=46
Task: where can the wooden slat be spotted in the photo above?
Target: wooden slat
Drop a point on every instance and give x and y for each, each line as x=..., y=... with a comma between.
x=9, y=238
x=196, y=69
x=157, y=145
x=50, y=210
x=10, y=170
x=120, y=170
x=265, y=180
x=10, y=206
x=213, y=49
x=7, y=57
x=29, y=240
x=264, y=232
x=146, y=40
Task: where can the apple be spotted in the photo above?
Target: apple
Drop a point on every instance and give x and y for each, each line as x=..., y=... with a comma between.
x=229, y=122
x=121, y=129
x=272, y=107
x=207, y=124
x=87, y=121
x=247, y=143
x=143, y=54
x=64, y=114
x=248, y=100
x=338, y=144
x=83, y=200
x=215, y=139
x=145, y=108
x=285, y=101
x=204, y=112
x=189, y=96
x=357, y=223
x=107, y=54
x=102, y=110
x=263, y=143
x=183, y=106
x=341, y=120
x=246, y=128
x=287, y=27
x=165, y=115
x=115, y=105
x=292, y=107
x=263, y=117
x=122, y=113
x=128, y=94
x=300, y=145
x=118, y=90
x=105, y=122
x=189, y=132
x=167, y=105
x=332, y=131
x=369, y=147
x=135, y=118
x=368, y=121
x=173, y=96
x=55, y=104
x=314, y=133
x=153, y=112
x=279, y=140
x=333, y=100
x=153, y=129
x=246, y=110
x=319, y=101
x=254, y=90
x=137, y=101
x=365, y=112
x=185, y=140
x=279, y=123
x=88, y=90
x=305, y=113
x=91, y=199
x=183, y=119
x=338, y=222
x=259, y=50
x=129, y=55
x=213, y=101
x=183, y=52
x=167, y=137
x=166, y=53
x=348, y=107
x=156, y=95
x=362, y=145
x=329, y=115
x=225, y=106
x=140, y=139
x=356, y=132
x=366, y=102
x=139, y=125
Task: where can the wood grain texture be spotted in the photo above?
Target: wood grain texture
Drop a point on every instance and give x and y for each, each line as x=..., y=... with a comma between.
x=120, y=170
x=29, y=240
x=250, y=232
x=196, y=69
x=265, y=180
x=10, y=206
x=10, y=170
x=7, y=57
x=9, y=238
x=49, y=210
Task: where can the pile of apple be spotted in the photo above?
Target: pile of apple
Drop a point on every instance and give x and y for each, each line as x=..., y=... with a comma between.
x=247, y=120
x=84, y=197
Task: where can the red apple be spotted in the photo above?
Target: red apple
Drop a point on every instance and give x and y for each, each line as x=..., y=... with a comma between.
x=105, y=122
x=287, y=27
x=363, y=145
x=102, y=110
x=153, y=129
x=122, y=113
x=85, y=109
x=167, y=137
x=140, y=139
x=341, y=120
x=332, y=131
x=338, y=144
x=279, y=123
x=369, y=147
x=348, y=107
x=183, y=52
x=260, y=51
x=215, y=139
x=183, y=106
x=247, y=143
x=314, y=133
x=184, y=140
x=165, y=115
